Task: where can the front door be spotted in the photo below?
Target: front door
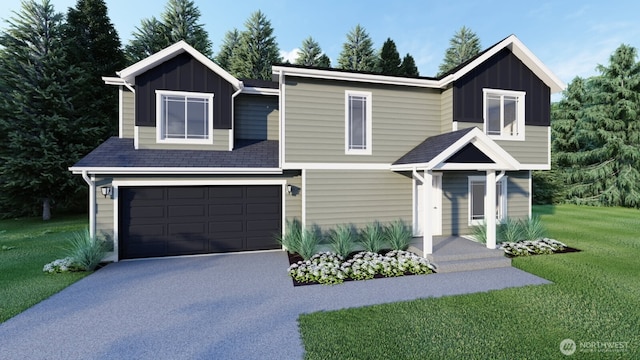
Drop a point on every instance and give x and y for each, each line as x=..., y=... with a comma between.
x=435, y=220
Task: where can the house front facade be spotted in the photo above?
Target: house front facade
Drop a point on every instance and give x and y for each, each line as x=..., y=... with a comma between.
x=207, y=163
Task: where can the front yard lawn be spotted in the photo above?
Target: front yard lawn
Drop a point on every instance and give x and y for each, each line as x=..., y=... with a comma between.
x=26, y=245
x=595, y=301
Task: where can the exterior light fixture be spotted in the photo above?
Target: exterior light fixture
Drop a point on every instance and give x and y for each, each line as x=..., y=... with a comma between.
x=106, y=191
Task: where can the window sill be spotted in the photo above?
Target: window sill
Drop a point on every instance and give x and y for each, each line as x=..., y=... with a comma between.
x=357, y=152
x=187, y=142
x=506, y=138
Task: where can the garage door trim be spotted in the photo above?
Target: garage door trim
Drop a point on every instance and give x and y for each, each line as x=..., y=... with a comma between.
x=151, y=183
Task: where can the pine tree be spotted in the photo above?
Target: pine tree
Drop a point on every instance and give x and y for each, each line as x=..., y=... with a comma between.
x=606, y=170
x=357, y=52
x=40, y=133
x=229, y=45
x=257, y=50
x=93, y=45
x=311, y=54
x=324, y=61
x=179, y=21
x=464, y=45
x=408, y=66
x=389, y=62
x=565, y=115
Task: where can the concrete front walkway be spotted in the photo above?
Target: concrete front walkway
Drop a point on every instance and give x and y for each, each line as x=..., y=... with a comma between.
x=236, y=306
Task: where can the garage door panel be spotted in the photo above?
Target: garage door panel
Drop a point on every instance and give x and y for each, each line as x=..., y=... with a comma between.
x=165, y=221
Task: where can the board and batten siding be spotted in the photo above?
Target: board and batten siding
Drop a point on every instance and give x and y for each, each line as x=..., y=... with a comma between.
x=455, y=199
x=147, y=140
x=315, y=120
x=128, y=113
x=256, y=117
x=356, y=197
x=533, y=150
x=446, y=110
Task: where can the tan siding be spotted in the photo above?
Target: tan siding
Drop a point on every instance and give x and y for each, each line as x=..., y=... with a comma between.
x=147, y=140
x=273, y=125
x=533, y=150
x=104, y=211
x=446, y=110
x=128, y=113
x=315, y=120
x=356, y=197
x=518, y=193
x=254, y=115
x=293, y=201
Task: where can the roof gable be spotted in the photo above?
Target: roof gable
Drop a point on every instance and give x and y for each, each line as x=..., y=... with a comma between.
x=128, y=74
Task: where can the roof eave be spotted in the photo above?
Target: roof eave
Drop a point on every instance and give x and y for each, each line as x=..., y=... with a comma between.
x=172, y=170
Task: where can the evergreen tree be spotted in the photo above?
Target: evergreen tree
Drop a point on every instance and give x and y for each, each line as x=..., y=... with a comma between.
x=179, y=21
x=324, y=61
x=40, y=133
x=606, y=170
x=311, y=54
x=148, y=39
x=464, y=45
x=93, y=45
x=389, y=60
x=408, y=66
x=565, y=115
x=229, y=45
x=357, y=52
x=257, y=50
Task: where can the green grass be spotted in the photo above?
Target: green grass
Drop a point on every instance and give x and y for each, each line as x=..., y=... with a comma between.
x=595, y=298
x=34, y=243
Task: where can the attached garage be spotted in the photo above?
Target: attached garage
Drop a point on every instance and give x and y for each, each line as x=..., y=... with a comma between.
x=185, y=220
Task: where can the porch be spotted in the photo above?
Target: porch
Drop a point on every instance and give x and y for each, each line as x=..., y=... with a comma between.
x=456, y=253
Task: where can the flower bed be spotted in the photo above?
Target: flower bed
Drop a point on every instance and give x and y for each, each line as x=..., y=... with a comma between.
x=330, y=268
x=535, y=247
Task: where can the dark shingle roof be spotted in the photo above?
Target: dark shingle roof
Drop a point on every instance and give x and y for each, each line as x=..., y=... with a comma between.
x=116, y=152
x=431, y=147
x=260, y=83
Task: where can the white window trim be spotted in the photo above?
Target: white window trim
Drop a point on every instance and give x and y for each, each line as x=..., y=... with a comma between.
x=521, y=113
x=503, y=203
x=160, y=140
x=368, y=125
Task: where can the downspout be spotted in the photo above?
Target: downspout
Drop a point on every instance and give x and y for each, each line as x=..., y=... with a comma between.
x=92, y=203
x=233, y=116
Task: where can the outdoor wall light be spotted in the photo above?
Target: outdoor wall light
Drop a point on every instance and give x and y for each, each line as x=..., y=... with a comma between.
x=106, y=191
x=289, y=189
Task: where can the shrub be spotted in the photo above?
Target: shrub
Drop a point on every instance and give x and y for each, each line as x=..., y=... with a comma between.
x=86, y=251
x=408, y=262
x=398, y=235
x=532, y=229
x=509, y=231
x=372, y=237
x=342, y=240
x=324, y=268
x=364, y=265
x=309, y=241
x=535, y=247
x=292, y=237
x=61, y=265
x=479, y=232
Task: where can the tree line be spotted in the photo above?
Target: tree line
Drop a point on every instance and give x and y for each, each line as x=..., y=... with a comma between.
x=55, y=108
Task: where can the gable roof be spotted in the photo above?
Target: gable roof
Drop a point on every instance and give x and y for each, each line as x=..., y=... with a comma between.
x=118, y=156
x=511, y=42
x=128, y=74
x=433, y=153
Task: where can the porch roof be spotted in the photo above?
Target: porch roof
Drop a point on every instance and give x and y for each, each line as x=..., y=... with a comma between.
x=466, y=149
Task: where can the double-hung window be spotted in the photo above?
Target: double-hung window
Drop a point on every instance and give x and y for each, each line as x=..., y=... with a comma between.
x=504, y=114
x=184, y=117
x=358, y=122
x=477, y=195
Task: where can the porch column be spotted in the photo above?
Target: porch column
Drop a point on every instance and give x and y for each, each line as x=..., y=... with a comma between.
x=490, y=208
x=427, y=212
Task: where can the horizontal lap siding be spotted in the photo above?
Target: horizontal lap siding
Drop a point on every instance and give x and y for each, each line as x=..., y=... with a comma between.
x=357, y=197
x=254, y=117
x=446, y=108
x=518, y=192
x=104, y=211
x=147, y=140
x=315, y=120
x=128, y=114
x=533, y=150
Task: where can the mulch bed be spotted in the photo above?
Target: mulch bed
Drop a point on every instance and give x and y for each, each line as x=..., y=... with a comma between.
x=565, y=251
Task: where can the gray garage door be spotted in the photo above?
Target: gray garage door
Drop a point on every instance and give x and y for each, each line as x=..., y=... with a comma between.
x=172, y=220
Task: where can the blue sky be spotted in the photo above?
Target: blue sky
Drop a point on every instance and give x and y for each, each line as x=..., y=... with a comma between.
x=570, y=37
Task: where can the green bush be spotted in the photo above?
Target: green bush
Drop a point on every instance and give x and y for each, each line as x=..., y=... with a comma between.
x=309, y=241
x=479, y=232
x=372, y=237
x=532, y=229
x=509, y=231
x=86, y=251
x=398, y=235
x=342, y=240
x=292, y=237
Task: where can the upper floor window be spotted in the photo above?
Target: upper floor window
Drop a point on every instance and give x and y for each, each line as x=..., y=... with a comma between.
x=358, y=122
x=184, y=117
x=504, y=114
x=477, y=195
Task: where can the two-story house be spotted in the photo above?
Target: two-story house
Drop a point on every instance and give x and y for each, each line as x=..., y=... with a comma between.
x=206, y=163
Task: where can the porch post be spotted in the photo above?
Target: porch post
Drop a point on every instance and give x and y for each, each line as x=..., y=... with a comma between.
x=490, y=208
x=427, y=213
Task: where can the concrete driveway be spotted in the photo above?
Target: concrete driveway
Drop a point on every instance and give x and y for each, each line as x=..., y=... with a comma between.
x=235, y=306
